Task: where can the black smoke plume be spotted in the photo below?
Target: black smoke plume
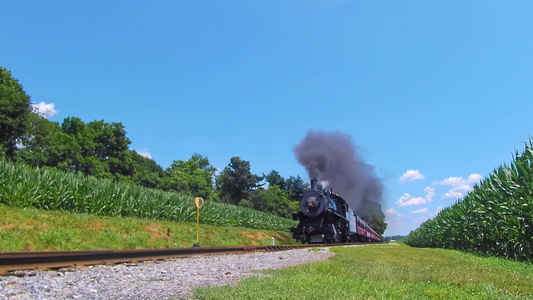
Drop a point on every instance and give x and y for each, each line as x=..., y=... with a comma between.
x=331, y=157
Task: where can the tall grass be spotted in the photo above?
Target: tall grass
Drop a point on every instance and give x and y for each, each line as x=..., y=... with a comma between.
x=50, y=189
x=495, y=218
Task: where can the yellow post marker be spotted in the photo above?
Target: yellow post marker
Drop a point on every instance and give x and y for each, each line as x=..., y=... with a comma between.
x=198, y=202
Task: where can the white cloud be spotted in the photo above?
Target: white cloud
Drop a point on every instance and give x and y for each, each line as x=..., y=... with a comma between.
x=420, y=211
x=453, y=181
x=460, y=186
x=430, y=192
x=413, y=201
x=403, y=198
x=458, y=192
x=389, y=211
x=456, y=181
x=144, y=153
x=407, y=200
x=474, y=178
x=411, y=175
x=45, y=110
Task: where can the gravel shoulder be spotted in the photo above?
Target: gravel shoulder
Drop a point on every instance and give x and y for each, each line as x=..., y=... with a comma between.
x=152, y=280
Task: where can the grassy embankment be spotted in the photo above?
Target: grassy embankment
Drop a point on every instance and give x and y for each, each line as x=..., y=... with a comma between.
x=31, y=229
x=53, y=210
x=388, y=272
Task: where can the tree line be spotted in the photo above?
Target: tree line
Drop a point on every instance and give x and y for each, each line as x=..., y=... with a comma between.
x=101, y=149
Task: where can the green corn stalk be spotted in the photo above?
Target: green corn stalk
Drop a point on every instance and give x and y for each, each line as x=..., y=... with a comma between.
x=50, y=189
x=495, y=218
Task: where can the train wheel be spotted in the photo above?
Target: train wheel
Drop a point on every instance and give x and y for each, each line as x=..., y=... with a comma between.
x=344, y=238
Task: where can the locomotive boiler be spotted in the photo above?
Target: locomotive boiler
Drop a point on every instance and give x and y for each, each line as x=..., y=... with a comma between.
x=325, y=217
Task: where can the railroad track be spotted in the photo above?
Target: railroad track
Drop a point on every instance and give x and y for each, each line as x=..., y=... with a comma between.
x=10, y=262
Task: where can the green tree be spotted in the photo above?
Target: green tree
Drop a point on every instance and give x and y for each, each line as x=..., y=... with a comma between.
x=295, y=187
x=378, y=224
x=92, y=165
x=78, y=147
x=109, y=138
x=75, y=144
x=274, y=179
x=15, y=109
x=194, y=176
x=147, y=172
x=122, y=166
x=98, y=148
x=273, y=200
x=236, y=181
x=374, y=216
x=37, y=140
x=64, y=152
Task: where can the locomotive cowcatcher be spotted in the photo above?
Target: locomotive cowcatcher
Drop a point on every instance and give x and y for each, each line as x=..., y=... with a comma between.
x=326, y=218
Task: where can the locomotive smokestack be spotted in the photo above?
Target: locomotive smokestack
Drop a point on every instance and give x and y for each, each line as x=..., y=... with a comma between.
x=314, y=183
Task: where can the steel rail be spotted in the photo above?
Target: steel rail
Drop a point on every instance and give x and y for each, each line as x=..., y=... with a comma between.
x=49, y=260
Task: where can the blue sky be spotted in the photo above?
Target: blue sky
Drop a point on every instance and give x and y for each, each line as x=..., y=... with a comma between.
x=437, y=94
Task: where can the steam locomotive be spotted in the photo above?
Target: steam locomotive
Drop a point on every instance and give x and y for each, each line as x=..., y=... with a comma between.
x=326, y=218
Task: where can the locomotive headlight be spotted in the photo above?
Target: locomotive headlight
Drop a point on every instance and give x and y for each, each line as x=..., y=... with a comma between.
x=311, y=202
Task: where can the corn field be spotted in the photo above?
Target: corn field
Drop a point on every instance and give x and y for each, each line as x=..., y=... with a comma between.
x=496, y=218
x=50, y=189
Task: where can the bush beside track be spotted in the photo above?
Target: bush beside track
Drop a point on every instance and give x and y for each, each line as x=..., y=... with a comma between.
x=496, y=218
x=50, y=189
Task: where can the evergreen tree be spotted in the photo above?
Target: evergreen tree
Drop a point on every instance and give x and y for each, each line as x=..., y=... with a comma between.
x=236, y=181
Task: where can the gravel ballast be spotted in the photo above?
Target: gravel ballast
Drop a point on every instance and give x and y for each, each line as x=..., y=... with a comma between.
x=152, y=280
